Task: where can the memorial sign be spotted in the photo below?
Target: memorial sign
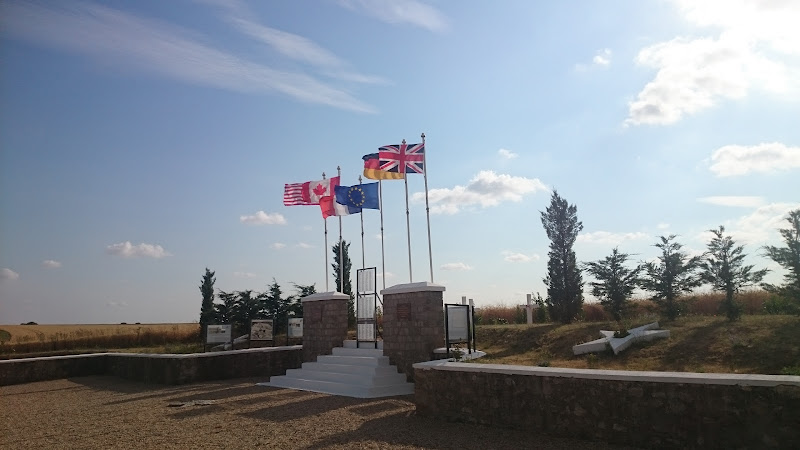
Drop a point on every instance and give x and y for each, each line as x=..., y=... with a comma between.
x=295, y=329
x=218, y=334
x=261, y=330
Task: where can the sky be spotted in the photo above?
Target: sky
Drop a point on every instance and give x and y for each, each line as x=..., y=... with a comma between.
x=144, y=141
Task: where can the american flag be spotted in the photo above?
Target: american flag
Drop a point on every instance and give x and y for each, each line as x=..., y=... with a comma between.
x=308, y=193
x=402, y=158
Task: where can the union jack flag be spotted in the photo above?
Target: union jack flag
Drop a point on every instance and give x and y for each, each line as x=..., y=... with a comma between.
x=402, y=158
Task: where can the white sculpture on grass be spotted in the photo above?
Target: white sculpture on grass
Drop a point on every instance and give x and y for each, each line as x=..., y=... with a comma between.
x=643, y=333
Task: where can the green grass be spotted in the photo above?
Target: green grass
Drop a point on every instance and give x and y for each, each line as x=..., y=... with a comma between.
x=760, y=344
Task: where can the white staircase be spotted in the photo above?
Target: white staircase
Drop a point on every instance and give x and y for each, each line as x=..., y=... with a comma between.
x=350, y=372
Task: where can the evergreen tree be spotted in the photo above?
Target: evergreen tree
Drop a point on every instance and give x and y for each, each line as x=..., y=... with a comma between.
x=789, y=258
x=275, y=306
x=224, y=312
x=674, y=274
x=724, y=268
x=348, y=286
x=564, y=282
x=615, y=282
x=295, y=307
x=207, y=306
x=247, y=308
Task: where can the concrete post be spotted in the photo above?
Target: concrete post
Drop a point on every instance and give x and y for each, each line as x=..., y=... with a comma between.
x=324, y=323
x=529, y=310
x=413, y=324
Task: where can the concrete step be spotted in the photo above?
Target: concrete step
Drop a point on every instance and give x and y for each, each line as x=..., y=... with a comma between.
x=346, y=368
x=354, y=360
x=348, y=378
x=340, y=351
x=345, y=389
x=351, y=343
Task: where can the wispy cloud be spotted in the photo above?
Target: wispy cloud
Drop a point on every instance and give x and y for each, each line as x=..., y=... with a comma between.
x=695, y=74
x=116, y=304
x=485, y=189
x=730, y=200
x=456, y=266
x=304, y=245
x=128, y=250
x=118, y=38
x=732, y=160
x=277, y=245
x=401, y=12
x=244, y=275
x=8, y=274
x=760, y=226
x=606, y=237
x=518, y=257
x=662, y=226
x=507, y=154
x=262, y=218
x=51, y=264
x=602, y=58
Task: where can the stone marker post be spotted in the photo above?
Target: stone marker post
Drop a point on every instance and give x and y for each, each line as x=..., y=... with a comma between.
x=529, y=310
x=413, y=324
x=324, y=323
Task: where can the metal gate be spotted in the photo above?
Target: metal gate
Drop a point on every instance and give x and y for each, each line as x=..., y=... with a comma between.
x=366, y=307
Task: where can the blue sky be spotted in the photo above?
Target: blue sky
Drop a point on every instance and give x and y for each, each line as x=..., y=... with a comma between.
x=141, y=142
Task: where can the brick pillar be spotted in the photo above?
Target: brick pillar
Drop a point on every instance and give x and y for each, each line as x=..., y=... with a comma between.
x=413, y=324
x=324, y=323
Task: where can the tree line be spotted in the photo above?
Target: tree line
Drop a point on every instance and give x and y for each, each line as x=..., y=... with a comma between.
x=672, y=274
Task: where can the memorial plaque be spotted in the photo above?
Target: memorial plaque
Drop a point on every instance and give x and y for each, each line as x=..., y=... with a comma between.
x=261, y=330
x=403, y=311
x=295, y=328
x=218, y=334
x=457, y=323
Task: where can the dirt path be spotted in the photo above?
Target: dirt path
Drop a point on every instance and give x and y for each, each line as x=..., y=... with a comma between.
x=108, y=412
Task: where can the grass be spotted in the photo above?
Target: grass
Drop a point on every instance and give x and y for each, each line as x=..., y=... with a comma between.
x=40, y=340
x=758, y=344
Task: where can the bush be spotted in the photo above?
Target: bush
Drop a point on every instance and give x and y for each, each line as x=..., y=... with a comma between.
x=594, y=312
x=780, y=305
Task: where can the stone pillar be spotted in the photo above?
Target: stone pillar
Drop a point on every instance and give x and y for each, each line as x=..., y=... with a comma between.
x=413, y=324
x=324, y=323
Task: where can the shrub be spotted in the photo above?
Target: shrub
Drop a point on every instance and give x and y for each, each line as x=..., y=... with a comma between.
x=594, y=312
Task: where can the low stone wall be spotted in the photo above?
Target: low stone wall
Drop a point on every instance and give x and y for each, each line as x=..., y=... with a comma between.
x=150, y=368
x=647, y=409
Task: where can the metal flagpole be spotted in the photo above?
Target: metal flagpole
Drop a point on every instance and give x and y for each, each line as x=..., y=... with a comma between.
x=363, y=263
x=325, y=221
x=383, y=259
x=341, y=263
x=427, y=208
x=402, y=166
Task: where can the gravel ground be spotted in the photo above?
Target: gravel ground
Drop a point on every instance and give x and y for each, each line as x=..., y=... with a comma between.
x=108, y=412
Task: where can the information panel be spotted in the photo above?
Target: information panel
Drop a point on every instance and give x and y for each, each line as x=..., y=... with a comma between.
x=261, y=330
x=295, y=327
x=458, y=323
x=218, y=334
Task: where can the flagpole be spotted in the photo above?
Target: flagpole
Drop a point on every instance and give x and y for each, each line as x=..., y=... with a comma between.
x=363, y=260
x=383, y=259
x=325, y=221
x=408, y=220
x=427, y=208
x=341, y=263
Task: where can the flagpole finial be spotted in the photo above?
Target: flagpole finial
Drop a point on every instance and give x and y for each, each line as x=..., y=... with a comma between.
x=323, y=175
x=423, y=135
x=359, y=179
x=404, y=141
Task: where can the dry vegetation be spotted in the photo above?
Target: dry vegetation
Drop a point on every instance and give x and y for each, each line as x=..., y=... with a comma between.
x=24, y=340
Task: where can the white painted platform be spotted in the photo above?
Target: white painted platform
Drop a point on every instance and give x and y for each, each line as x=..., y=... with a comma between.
x=348, y=371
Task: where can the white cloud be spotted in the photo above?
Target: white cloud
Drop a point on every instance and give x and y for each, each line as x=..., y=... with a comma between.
x=485, y=189
x=602, y=58
x=8, y=274
x=730, y=200
x=732, y=160
x=662, y=226
x=459, y=266
x=120, y=39
x=518, y=257
x=401, y=12
x=388, y=275
x=116, y=304
x=758, y=227
x=507, y=154
x=695, y=74
x=244, y=275
x=304, y=245
x=51, y=264
x=262, y=218
x=277, y=245
x=128, y=250
x=605, y=237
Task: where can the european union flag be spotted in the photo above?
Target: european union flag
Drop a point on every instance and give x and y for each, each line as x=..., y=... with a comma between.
x=358, y=196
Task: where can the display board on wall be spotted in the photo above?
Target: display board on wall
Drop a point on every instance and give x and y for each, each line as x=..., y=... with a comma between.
x=261, y=330
x=218, y=334
x=295, y=327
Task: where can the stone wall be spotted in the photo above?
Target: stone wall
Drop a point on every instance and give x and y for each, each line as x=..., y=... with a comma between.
x=324, y=323
x=162, y=369
x=413, y=324
x=647, y=409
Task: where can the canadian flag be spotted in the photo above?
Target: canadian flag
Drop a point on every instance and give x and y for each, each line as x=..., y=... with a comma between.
x=308, y=193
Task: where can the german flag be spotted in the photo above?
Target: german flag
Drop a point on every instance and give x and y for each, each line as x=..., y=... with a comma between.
x=373, y=172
